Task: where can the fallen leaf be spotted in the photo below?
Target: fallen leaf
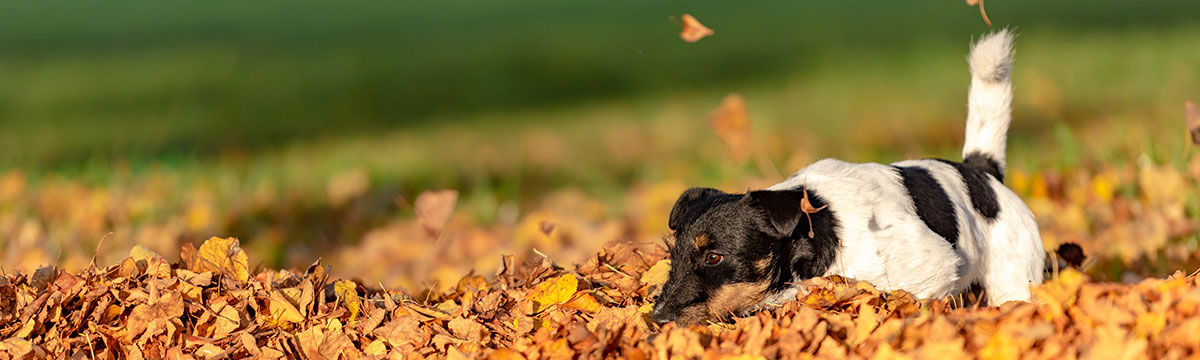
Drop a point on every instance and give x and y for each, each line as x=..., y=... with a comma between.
x=347, y=291
x=282, y=310
x=657, y=274
x=583, y=301
x=152, y=317
x=223, y=256
x=554, y=291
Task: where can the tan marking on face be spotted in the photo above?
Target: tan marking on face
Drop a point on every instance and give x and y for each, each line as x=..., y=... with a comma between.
x=700, y=241
x=733, y=298
x=762, y=265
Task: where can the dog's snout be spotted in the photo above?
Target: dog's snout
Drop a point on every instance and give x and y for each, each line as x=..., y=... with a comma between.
x=661, y=317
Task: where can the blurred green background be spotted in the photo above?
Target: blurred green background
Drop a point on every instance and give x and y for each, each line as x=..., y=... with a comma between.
x=232, y=101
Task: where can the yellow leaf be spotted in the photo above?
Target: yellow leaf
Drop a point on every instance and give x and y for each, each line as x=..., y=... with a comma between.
x=1000, y=346
x=1149, y=325
x=282, y=310
x=376, y=347
x=223, y=256
x=866, y=323
x=139, y=253
x=346, y=290
x=556, y=291
x=658, y=274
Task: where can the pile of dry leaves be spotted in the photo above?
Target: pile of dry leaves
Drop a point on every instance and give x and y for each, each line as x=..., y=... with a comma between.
x=210, y=305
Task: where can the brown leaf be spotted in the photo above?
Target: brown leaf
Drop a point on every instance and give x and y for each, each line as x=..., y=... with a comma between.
x=693, y=30
x=324, y=341
x=467, y=329
x=732, y=125
x=150, y=318
x=434, y=208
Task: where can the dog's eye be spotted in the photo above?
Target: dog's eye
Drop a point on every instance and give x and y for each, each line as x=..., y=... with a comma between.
x=713, y=258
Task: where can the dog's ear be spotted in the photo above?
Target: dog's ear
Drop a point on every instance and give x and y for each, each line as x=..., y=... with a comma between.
x=782, y=207
x=684, y=203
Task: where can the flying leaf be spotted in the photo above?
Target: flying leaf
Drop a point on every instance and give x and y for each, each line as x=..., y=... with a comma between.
x=223, y=256
x=693, y=30
x=982, y=12
x=346, y=186
x=732, y=124
x=1193, y=121
x=434, y=208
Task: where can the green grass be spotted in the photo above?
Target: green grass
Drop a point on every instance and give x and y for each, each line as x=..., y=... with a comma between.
x=510, y=102
x=149, y=82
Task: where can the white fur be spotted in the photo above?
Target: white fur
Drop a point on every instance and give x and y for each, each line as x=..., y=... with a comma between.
x=989, y=101
x=884, y=241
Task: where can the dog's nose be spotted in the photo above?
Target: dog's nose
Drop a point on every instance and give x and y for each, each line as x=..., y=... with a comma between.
x=660, y=317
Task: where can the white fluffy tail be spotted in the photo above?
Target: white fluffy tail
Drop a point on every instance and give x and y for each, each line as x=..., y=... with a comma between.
x=989, y=103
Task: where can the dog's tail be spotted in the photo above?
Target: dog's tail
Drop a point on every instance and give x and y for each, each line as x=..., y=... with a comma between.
x=989, y=103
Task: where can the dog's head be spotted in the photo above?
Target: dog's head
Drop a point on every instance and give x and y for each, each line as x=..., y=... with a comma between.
x=733, y=250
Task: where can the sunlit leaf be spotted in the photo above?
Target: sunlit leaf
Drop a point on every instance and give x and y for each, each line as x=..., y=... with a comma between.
x=693, y=30
x=223, y=256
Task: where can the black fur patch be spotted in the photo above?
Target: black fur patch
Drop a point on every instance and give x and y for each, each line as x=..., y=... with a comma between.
x=932, y=203
x=984, y=162
x=983, y=197
x=811, y=257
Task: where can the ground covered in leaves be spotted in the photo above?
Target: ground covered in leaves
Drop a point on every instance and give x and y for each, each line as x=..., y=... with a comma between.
x=211, y=304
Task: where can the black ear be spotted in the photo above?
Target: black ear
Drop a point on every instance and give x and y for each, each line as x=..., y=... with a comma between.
x=685, y=202
x=782, y=207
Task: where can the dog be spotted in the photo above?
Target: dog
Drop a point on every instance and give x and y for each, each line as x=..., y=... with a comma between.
x=930, y=227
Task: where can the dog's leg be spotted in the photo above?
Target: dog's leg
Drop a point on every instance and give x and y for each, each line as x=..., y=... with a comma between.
x=1013, y=254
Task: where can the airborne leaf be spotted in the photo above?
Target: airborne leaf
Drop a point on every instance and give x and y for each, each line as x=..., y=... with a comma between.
x=434, y=208
x=1193, y=121
x=693, y=30
x=732, y=125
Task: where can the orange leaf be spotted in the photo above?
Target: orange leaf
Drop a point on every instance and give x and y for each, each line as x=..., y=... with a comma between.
x=732, y=125
x=693, y=30
x=583, y=301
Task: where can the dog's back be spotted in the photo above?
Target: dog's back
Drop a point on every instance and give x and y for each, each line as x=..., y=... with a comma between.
x=931, y=227
x=960, y=224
